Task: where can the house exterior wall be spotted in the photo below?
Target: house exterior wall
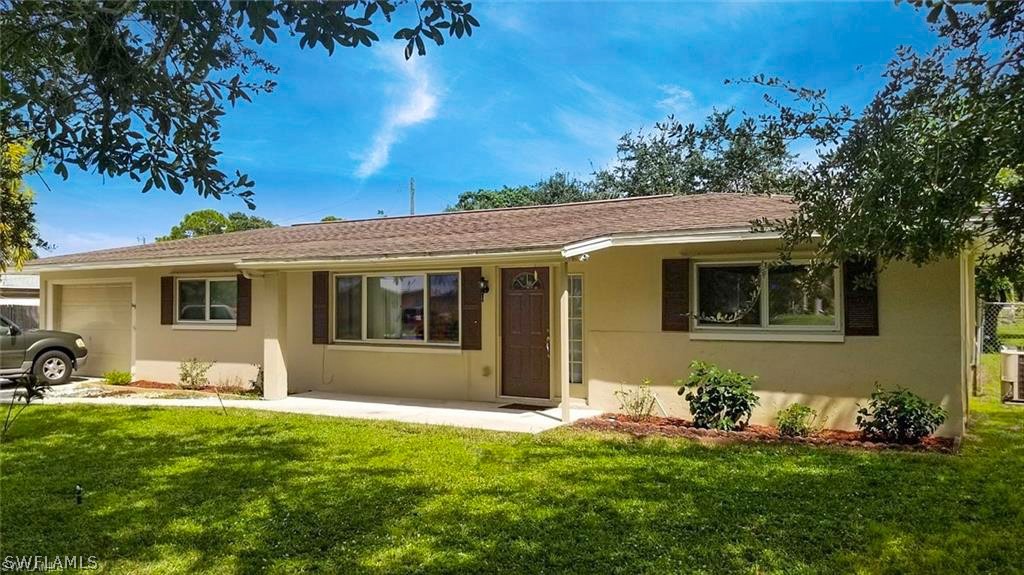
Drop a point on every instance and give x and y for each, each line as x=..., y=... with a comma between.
x=918, y=347
x=924, y=327
x=159, y=349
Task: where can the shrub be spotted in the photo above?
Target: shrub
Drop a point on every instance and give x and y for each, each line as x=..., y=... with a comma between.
x=796, y=420
x=192, y=373
x=637, y=402
x=117, y=377
x=718, y=399
x=899, y=416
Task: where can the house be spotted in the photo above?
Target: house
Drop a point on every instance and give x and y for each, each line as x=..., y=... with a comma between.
x=19, y=299
x=526, y=305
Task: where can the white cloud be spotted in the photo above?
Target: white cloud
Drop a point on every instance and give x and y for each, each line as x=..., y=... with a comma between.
x=677, y=100
x=415, y=100
x=66, y=241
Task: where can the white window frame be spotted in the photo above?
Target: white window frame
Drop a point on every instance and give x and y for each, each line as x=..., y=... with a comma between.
x=206, y=303
x=583, y=329
x=765, y=327
x=426, y=309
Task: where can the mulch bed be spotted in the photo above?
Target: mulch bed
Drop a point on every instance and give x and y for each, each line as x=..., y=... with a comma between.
x=675, y=427
x=232, y=390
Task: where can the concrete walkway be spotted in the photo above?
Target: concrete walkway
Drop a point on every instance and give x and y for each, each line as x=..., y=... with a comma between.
x=477, y=415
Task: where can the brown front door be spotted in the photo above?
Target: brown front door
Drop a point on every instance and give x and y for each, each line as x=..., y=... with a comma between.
x=525, y=358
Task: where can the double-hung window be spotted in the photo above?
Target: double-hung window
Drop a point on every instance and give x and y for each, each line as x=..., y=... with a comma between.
x=410, y=308
x=207, y=300
x=764, y=296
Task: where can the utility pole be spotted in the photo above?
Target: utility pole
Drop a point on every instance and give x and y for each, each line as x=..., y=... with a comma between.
x=412, y=197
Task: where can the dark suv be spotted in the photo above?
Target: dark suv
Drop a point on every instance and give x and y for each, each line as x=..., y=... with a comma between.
x=48, y=355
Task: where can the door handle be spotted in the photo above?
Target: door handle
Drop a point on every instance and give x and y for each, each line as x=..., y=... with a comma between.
x=547, y=345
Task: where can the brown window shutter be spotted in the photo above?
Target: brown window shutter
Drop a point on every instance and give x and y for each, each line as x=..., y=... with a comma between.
x=321, y=307
x=166, y=300
x=244, y=314
x=860, y=297
x=675, y=295
x=472, y=299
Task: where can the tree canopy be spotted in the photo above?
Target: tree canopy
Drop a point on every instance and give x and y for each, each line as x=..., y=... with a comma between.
x=212, y=222
x=559, y=188
x=19, y=235
x=138, y=88
x=933, y=165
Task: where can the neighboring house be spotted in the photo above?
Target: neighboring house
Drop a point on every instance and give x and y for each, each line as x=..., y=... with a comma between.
x=19, y=299
x=524, y=305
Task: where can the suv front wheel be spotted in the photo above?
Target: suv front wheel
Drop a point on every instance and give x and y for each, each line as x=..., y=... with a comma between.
x=53, y=367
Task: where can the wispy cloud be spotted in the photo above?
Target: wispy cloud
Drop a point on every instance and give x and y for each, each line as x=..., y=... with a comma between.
x=415, y=100
x=66, y=241
x=677, y=100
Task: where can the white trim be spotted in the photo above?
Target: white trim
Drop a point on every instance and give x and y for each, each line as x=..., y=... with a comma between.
x=762, y=335
x=122, y=264
x=661, y=238
x=375, y=347
x=434, y=259
x=115, y=281
x=203, y=326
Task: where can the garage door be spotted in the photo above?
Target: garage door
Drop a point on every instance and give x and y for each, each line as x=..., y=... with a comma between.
x=102, y=315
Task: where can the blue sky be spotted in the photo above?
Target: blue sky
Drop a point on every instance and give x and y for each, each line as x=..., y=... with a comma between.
x=541, y=86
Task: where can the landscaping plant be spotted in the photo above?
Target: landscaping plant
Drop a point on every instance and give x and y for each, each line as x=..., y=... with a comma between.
x=797, y=420
x=899, y=416
x=637, y=402
x=192, y=373
x=718, y=399
x=117, y=377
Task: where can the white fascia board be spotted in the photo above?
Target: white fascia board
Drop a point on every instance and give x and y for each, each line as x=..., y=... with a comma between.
x=125, y=264
x=661, y=238
x=539, y=256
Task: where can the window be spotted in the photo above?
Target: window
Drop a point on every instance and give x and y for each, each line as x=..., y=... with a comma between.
x=762, y=296
x=576, y=328
x=208, y=300
x=413, y=308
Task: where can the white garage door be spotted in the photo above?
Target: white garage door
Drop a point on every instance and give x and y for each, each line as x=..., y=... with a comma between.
x=102, y=315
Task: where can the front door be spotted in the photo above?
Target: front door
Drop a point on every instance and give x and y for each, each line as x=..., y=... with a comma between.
x=525, y=337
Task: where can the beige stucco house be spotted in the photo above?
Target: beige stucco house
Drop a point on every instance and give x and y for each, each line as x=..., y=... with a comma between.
x=523, y=305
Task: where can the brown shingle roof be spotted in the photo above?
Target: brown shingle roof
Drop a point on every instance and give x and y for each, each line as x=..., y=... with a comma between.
x=482, y=231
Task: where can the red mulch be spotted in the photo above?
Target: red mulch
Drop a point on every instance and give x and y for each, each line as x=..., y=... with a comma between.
x=675, y=427
x=146, y=384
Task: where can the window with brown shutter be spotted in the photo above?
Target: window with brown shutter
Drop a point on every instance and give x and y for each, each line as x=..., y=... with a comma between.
x=244, y=311
x=321, y=307
x=472, y=301
x=675, y=295
x=167, y=300
x=860, y=297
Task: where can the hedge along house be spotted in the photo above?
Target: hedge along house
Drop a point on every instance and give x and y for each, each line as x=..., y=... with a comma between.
x=526, y=305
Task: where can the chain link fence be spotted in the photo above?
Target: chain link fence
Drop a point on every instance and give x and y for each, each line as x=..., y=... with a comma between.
x=1000, y=324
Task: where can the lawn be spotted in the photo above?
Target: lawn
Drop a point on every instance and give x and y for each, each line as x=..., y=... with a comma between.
x=175, y=490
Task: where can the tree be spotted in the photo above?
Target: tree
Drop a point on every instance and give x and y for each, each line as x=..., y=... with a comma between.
x=722, y=155
x=331, y=219
x=19, y=235
x=138, y=88
x=933, y=165
x=559, y=188
x=212, y=222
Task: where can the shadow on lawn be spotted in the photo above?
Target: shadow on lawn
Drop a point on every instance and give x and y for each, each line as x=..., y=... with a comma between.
x=194, y=490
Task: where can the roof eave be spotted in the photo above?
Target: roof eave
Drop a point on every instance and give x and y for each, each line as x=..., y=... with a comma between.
x=735, y=234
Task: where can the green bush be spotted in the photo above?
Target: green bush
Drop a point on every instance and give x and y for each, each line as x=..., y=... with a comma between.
x=116, y=377
x=899, y=416
x=718, y=399
x=796, y=420
x=637, y=402
x=192, y=373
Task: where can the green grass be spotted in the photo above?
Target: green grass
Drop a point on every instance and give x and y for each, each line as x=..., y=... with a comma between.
x=176, y=490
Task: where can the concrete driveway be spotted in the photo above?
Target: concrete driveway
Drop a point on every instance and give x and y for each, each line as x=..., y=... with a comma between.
x=476, y=415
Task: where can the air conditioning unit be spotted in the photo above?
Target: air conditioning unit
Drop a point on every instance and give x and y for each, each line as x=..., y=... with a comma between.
x=1012, y=374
